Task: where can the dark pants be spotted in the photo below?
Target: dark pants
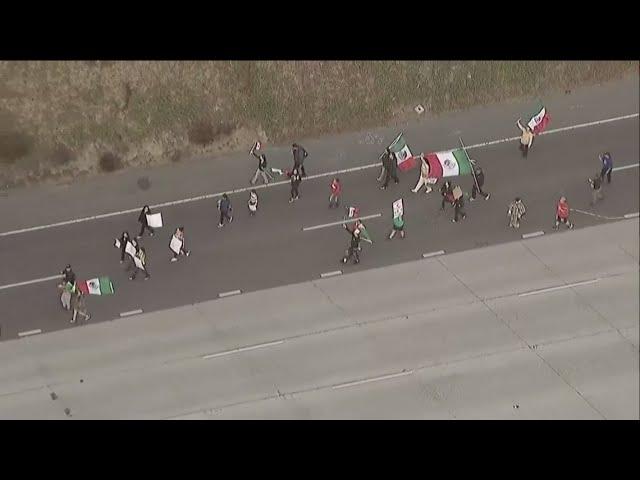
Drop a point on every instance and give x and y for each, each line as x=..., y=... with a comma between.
x=294, y=191
x=389, y=174
x=458, y=212
x=445, y=199
x=182, y=251
x=352, y=252
x=300, y=167
x=144, y=227
x=135, y=273
x=606, y=171
x=566, y=221
x=476, y=189
x=334, y=201
x=524, y=149
x=122, y=253
x=223, y=215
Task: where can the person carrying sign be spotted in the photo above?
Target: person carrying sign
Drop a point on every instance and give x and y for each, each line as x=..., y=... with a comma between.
x=177, y=244
x=140, y=261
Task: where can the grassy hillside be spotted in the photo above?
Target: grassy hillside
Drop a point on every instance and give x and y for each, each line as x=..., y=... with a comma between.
x=63, y=119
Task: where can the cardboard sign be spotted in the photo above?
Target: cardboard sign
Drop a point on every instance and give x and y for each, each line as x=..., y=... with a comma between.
x=130, y=249
x=138, y=263
x=175, y=245
x=116, y=243
x=457, y=192
x=155, y=220
x=398, y=208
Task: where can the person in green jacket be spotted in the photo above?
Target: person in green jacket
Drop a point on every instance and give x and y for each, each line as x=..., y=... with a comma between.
x=398, y=226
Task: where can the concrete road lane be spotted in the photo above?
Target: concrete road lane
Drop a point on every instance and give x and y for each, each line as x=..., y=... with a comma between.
x=424, y=339
x=272, y=249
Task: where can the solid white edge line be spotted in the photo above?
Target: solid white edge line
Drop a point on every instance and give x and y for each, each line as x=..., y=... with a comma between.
x=631, y=215
x=433, y=254
x=30, y=332
x=373, y=379
x=243, y=349
x=560, y=287
x=320, y=175
x=29, y=282
x=228, y=294
x=340, y=222
x=624, y=167
x=132, y=312
x=534, y=234
x=331, y=274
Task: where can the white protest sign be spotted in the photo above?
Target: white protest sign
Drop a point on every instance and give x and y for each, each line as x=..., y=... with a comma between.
x=130, y=249
x=116, y=243
x=175, y=245
x=138, y=263
x=155, y=220
x=398, y=208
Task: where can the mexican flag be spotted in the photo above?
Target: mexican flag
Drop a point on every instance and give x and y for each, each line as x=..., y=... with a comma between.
x=449, y=163
x=96, y=286
x=363, y=232
x=403, y=155
x=538, y=118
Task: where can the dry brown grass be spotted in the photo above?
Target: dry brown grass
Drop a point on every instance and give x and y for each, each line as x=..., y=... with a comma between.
x=65, y=115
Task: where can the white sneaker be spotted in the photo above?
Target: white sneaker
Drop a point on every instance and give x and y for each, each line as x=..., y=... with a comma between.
x=174, y=259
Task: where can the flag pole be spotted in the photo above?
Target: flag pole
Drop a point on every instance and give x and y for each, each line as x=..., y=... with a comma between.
x=473, y=171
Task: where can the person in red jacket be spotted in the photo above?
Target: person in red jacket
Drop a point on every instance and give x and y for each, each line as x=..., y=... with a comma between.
x=562, y=214
x=336, y=190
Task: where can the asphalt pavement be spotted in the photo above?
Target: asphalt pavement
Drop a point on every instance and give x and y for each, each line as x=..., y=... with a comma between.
x=542, y=328
x=272, y=249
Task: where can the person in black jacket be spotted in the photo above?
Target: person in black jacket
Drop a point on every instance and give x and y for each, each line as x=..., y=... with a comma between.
x=69, y=275
x=124, y=238
x=478, y=183
x=354, y=246
x=226, y=210
x=458, y=206
x=299, y=154
x=296, y=178
x=390, y=168
x=446, y=190
x=142, y=219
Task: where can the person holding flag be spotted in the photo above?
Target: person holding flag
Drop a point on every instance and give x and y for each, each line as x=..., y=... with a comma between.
x=354, y=246
x=526, y=140
x=262, y=169
x=424, y=176
x=478, y=182
x=390, y=169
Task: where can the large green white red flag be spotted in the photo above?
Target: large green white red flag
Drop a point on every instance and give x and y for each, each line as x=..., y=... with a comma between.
x=404, y=157
x=449, y=163
x=538, y=118
x=96, y=286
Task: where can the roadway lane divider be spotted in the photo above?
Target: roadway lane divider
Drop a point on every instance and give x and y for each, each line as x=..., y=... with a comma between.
x=403, y=373
x=30, y=282
x=340, y=222
x=331, y=274
x=29, y=333
x=310, y=177
x=229, y=294
x=242, y=349
x=433, y=254
x=632, y=215
x=560, y=287
x=132, y=312
x=533, y=234
x=624, y=167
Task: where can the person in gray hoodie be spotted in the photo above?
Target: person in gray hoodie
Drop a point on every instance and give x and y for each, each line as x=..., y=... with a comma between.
x=226, y=210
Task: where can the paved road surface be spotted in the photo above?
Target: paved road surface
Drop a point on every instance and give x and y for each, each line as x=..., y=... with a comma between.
x=272, y=249
x=539, y=328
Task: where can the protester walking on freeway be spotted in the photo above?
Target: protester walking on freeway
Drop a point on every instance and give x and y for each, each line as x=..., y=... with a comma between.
x=607, y=166
x=478, y=183
x=526, y=140
x=516, y=211
x=458, y=204
x=446, y=191
x=142, y=219
x=336, y=191
x=124, y=239
x=252, y=203
x=177, y=244
x=296, y=178
x=140, y=264
x=398, y=226
x=262, y=169
x=354, y=246
x=596, y=188
x=390, y=168
x=226, y=210
x=299, y=155
x=424, y=177
x=562, y=214
x=79, y=307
